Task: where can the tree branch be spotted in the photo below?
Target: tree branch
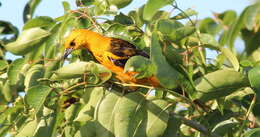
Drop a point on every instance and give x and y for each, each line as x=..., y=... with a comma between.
x=195, y=125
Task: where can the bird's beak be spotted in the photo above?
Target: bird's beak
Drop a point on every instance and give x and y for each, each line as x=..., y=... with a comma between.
x=67, y=52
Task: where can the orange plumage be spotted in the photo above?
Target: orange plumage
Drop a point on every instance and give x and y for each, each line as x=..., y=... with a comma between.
x=110, y=52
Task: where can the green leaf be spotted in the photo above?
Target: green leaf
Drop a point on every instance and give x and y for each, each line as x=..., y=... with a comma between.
x=251, y=16
x=129, y=116
x=123, y=19
x=48, y=123
x=167, y=75
x=41, y=21
x=78, y=69
x=36, y=96
x=83, y=3
x=254, y=79
x=7, y=28
x=128, y=33
x=231, y=57
x=213, y=86
x=185, y=14
x=28, y=129
x=105, y=114
x=251, y=40
x=9, y=91
x=209, y=41
x=3, y=65
x=27, y=40
x=66, y=6
x=14, y=71
x=119, y=3
x=181, y=33
x=88, y=129
x=226, y=127
x=166, y=26
x=32, y=75
x=140, y=64
x=137, y=16
x=227, y=17
x=29, y=9
x=208, y=25
x=252, y=133
x=152, y=6
x=91, y=97
x=246, y=19
x=157, y=117
x=172, y=127
x=71, y=112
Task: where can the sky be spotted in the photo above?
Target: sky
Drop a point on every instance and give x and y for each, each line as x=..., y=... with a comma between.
x=12, y=10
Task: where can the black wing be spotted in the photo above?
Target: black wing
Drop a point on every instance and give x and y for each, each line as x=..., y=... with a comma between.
x=124, y=49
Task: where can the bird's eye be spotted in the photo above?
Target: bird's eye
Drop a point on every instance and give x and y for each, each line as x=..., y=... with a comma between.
x=72, y=44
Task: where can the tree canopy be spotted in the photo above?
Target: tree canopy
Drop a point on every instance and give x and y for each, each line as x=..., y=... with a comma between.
x=41, y=94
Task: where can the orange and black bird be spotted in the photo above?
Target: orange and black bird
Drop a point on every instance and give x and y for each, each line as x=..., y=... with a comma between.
x=113, y=53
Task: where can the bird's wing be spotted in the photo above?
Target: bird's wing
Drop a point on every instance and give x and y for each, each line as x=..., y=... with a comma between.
x=124, y=50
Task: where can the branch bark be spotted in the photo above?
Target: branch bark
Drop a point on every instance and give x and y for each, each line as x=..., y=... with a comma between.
x=195, y=125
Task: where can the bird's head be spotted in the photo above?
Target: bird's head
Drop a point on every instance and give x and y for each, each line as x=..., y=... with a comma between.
x=74, y=41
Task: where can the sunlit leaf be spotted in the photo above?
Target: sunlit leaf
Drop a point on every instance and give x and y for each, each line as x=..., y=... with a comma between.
x=167, y=75
x=185, y=14
x=141, y=65
x=26, y=41
x=41, y=21
x=152, y=6
x=254, y=79
x=213, y=86
x=29, y=9
x=231, y=57
x=36, y=96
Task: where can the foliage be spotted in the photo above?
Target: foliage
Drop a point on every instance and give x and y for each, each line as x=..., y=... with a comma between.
x=79, y=97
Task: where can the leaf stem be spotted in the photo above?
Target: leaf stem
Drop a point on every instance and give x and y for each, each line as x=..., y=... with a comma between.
x=247, y=115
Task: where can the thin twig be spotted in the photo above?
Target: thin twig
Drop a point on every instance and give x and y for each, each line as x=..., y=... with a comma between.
x=169, y=91
x=195, y=125
x=247, y=114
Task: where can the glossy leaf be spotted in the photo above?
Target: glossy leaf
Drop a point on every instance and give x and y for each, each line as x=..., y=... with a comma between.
x=152, y=6
x=209, y=41
x=231, y=58
x=252, y=133
x=227, y=17
x=213, y=86
x=14, y=71
x=32, y=76
x=36, y=96
x=208, y=25
x=123, y=19
x=141, y=65
x=78, y=69
x=91, y=97
x=254, y=79
x=185, y=14
x=29, y=9
x=167, y=75
x=119, y=3
x=3, y=65
x=41, y=21
x=129, y=116
x=7, y=28
x=26, y=41
x=157, y=117
x=105, y=114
